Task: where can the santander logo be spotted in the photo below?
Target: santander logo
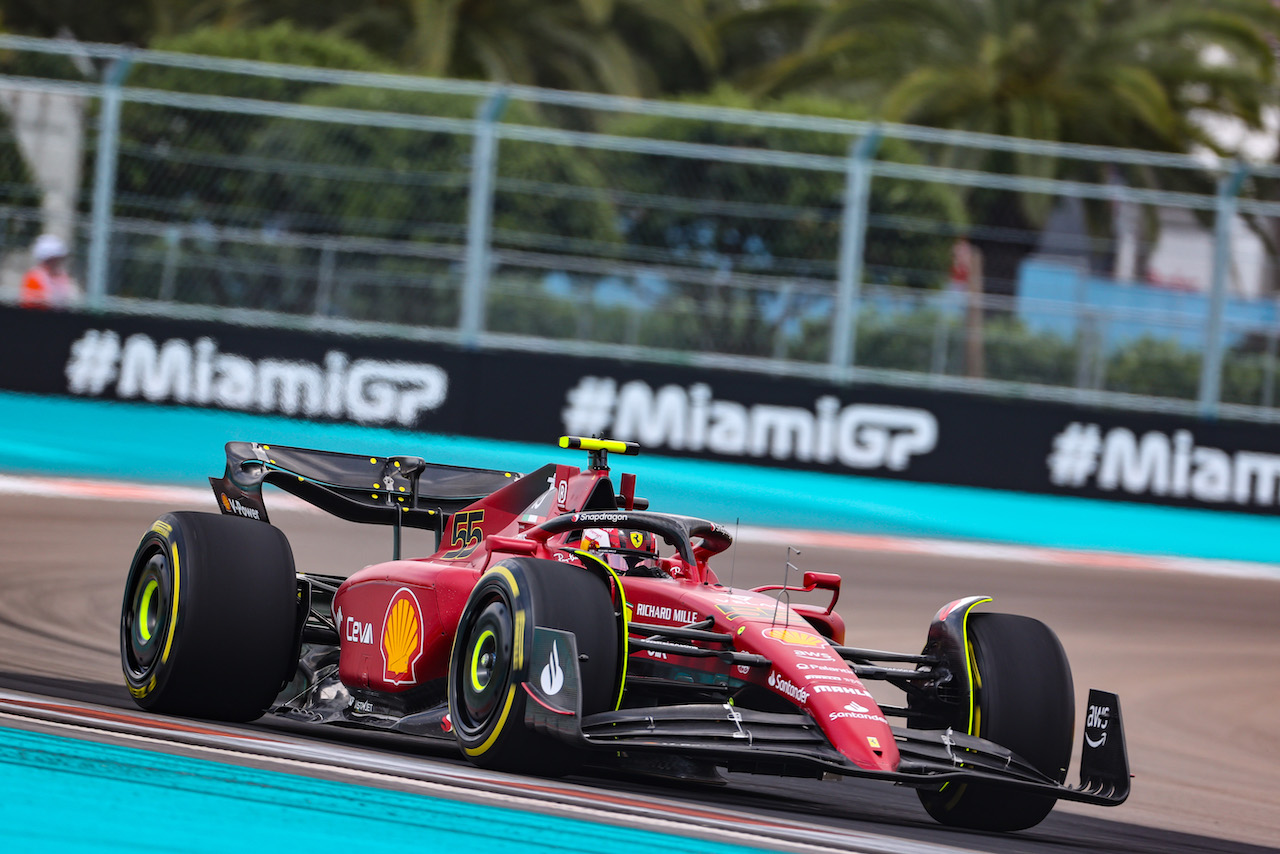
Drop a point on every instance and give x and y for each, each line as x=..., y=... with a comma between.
x=854, y=709
x=790, y=689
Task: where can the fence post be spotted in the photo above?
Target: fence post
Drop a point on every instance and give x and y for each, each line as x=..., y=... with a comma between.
x=1211, y=360
x=104, y=180
x=853, y=239
x=484, y=151
x=324, y=281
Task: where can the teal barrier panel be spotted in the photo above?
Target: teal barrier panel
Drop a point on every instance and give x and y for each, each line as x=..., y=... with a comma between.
x=63, y=794
x=143, y=442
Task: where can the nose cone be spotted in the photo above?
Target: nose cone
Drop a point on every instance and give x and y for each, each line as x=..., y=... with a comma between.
x=845, y=710
x=808, y=672
x=857, y=728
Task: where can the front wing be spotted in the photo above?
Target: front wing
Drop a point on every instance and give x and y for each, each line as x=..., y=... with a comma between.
x=792, y=743
x=777, y=743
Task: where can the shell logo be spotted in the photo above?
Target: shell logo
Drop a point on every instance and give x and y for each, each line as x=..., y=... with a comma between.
x=795, y=637
x=401, y=638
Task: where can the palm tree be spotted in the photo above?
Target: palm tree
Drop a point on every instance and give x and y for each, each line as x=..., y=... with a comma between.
x=1128, y=73
x=1106, y=72
x=625, y=47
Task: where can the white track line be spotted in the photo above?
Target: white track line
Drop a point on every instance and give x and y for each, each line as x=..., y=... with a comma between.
x=416, y=774
x=57, y=487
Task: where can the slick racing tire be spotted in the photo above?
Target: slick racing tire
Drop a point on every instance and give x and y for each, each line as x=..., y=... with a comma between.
x=209, y=619
x=1024, y=700
x=490, y=659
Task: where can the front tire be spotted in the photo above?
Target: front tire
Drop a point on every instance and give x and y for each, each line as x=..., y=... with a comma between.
x=1024, y=700
x=490, y=659
x=209, y=617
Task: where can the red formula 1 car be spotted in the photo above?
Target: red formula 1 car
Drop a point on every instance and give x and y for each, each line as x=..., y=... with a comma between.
x=559, y=622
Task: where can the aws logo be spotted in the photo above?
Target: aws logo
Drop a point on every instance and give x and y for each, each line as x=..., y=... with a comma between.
x=402, y=638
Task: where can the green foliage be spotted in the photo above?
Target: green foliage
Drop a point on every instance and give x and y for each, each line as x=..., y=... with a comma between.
x=927, y=340
x=281, y=42
x=408, y=183
x=184, y=164
x=905, y=342
x=117, y=21
x=789, y=219
x=1094, y=71
x=1014, y=353
x=277, y=175
x=1162, y=368
x=1154, y=366
x=625, y=47
x=735, y=218
x=519, y=303
x=259, y=171
x=19, y=196
x=1130, y=73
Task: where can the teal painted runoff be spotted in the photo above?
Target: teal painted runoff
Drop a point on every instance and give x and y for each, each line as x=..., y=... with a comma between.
x=138, y=441
x=66, y=795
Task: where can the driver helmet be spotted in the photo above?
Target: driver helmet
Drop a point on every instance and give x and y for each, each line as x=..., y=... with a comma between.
x=622, y=549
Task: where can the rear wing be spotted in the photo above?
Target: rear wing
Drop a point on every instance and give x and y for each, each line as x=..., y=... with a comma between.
x=399, y=490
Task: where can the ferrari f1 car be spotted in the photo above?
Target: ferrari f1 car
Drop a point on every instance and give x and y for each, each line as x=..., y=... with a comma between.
x=560, y=622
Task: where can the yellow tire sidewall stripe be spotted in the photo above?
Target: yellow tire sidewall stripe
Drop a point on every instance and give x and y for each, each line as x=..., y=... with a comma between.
x=497, y=729
x=173, y=616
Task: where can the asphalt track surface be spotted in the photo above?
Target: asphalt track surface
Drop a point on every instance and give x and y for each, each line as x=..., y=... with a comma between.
x=1194, y=658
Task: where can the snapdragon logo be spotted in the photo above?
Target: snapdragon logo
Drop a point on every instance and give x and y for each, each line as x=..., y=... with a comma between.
x=858, y=436
x=1161, y=464
x=364, y=390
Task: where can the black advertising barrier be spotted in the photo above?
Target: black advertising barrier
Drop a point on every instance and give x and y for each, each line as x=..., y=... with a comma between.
x=904, y=433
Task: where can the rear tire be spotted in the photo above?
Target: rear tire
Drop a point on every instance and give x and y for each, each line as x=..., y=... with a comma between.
x=1024, y=700
x=486, y=696
x=209, y=619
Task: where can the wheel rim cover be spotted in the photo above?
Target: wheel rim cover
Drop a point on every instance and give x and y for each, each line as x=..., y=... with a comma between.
x=487, y=663
x=147, y=614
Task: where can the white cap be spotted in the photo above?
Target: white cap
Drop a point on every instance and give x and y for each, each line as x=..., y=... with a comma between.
x=48, y=246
